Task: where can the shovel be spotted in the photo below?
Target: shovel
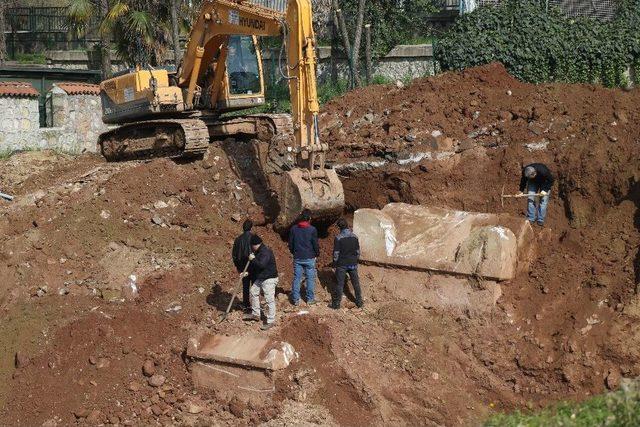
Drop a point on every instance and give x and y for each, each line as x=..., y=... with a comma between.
x=226, y=313
x=516, y=196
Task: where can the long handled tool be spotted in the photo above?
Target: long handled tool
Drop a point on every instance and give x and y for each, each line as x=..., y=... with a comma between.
x=226, y=313
x=516, y=196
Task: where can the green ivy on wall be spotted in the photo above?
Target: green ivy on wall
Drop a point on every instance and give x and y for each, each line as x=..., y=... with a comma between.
x=539, y=45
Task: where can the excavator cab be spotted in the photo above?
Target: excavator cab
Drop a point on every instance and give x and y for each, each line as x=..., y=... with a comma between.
x=244, y=83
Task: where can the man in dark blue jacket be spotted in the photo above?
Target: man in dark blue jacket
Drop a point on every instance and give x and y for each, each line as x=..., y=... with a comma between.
x=536, y=178
x=346, y=252
x=303, y=245
x=240, y=256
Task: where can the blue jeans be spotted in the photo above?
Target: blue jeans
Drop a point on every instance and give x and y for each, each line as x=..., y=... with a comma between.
x=308, y=266
x=532, y=209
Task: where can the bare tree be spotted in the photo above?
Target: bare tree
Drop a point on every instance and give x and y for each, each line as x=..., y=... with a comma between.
x=105, y=43
x=175, y=31
x=4, y=27
x=357, y=39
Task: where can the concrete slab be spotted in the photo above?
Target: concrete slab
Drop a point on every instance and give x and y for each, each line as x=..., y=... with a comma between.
x=427, y=238
x=231, y=381
x=248, y=350
x=428, y=290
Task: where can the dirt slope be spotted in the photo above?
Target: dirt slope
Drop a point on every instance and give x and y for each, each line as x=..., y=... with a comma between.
x=79, y=227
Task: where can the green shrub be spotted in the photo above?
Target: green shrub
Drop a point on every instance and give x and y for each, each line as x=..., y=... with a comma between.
x=537, y=45
x=618, y=409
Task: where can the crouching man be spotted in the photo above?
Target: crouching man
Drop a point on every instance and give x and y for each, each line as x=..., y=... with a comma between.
x=264, y=274
x=346, y=252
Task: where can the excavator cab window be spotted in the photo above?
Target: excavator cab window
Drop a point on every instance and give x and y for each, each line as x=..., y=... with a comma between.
x=242, y=66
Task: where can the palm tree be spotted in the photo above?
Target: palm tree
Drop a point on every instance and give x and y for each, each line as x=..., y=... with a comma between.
x=140, y=30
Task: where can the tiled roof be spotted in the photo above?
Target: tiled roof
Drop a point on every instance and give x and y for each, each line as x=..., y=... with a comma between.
x=25, y=89
x=73, y=88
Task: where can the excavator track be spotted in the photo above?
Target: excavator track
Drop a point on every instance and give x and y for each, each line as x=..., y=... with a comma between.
x=155, y=138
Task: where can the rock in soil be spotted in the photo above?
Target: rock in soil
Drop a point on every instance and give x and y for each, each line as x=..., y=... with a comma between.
x=156, y=380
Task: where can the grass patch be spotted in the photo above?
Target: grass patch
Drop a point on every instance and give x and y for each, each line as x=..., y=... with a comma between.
x=31, y=58
x=616, y=409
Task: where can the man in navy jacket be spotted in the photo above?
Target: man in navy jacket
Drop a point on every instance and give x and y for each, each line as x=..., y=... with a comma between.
x=536, y=178
x=303, y=245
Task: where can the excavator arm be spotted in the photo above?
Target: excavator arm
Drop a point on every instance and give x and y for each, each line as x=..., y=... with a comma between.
x=311, y=184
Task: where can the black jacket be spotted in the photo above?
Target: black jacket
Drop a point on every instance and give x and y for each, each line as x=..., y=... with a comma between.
x=303, y=241
x=543, y=180
x=241, y=250
x=263, y=267
x=346, y=249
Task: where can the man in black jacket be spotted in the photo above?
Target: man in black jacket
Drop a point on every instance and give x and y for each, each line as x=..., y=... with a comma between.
x=264, y=272
x=536, y=179
x=346, y=252
x=303, y=245
x=240, y=256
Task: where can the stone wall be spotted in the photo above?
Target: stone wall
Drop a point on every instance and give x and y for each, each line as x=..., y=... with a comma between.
x=73, y=122
x=19, y=122
x=404, y=61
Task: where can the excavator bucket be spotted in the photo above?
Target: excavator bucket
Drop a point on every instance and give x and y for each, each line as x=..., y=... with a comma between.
x=323, y=196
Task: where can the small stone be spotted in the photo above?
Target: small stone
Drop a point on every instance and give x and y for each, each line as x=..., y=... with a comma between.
x=114, y=419
x=50, y=423
x=410, y=138
x=94, y=417
x=435, y=376
x=157, y=411
x=93, y=360
x=134, y=386
x=157, y=220
x=63, y=291
x=105, y=214
x=509, y=93
x=126, y=349
x=148, y=368
x=156, y=380
x=236, y=217
x=93, y=383
x=237, y=407
x=21, y=360
x=216, y=177
x=505, y=115
x=399, y=84
x=160, y=205
x=81, y=413
x=103, y=362
x=613, y=380
x=621, y=116
x=192, y=408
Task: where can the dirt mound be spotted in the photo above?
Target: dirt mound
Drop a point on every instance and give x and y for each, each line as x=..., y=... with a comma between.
x=79, y=227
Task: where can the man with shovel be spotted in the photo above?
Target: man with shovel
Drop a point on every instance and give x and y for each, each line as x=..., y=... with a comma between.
x=264, y=274
x=240, y=256
x=537, y=180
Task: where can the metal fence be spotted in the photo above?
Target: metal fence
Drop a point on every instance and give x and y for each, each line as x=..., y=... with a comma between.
x=279, y=5
x=601, y=9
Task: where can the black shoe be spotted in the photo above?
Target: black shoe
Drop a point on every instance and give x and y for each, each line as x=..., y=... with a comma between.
x=267, y=326
x=334, y=306
x=249, y=317
x=360, y=304
x=540, y=224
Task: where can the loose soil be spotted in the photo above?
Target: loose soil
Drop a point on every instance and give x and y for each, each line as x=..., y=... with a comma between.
x=565, y=330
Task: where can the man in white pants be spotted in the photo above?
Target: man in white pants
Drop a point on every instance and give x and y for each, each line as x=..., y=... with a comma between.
x=264, y=275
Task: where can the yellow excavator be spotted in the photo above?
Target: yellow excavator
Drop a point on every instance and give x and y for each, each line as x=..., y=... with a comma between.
x=161, y=113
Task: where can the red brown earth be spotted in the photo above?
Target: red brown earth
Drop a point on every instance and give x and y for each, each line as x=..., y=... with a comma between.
x=567, y=329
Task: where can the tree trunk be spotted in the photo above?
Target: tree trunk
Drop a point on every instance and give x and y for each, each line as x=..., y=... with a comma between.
x=367, y=40
x=3, y=28
x=105, y=44
x=175, y=30
x=357, y=39
x=338, y=17
x=334, y=51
